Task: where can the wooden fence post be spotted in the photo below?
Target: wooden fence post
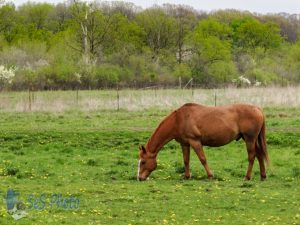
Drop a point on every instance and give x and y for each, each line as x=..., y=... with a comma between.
x=192, y=87
x=215, y=98
x=77, y=97
x=29, y=99
x=179, y=79
x=118, y=98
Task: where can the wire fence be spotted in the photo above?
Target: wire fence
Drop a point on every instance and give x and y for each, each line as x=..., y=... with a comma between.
x=148, y=98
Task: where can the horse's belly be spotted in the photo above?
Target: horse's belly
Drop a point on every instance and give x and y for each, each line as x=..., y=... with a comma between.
x=218, y=138
x=214, y=143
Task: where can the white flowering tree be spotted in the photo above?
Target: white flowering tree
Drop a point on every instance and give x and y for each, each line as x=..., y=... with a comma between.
x=242, y=81
x=6, y=76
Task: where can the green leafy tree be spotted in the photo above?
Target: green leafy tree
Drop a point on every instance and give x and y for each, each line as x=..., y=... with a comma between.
x=159, y=29
x=37, y=14
x=210, y=41
x=95, y=31
x=212, y=51
x=126, y=33
x=211, y=27
x=9, y=20
x=252, y=34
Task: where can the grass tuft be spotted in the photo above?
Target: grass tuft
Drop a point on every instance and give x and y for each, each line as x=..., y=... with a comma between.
x=92, y=162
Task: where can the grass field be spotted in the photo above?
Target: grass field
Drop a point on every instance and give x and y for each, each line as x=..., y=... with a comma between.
x=91, y=154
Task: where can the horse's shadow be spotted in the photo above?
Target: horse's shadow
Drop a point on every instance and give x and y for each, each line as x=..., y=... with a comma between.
x=205, y=178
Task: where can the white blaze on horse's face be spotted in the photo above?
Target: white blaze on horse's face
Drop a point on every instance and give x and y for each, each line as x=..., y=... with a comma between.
x=147, y=163
x=139, y=168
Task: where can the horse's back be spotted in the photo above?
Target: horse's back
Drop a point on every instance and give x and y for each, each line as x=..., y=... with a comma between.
x=217, y=126
x=242, y=111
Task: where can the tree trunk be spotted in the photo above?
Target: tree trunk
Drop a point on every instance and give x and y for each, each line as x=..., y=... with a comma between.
x=85, y=40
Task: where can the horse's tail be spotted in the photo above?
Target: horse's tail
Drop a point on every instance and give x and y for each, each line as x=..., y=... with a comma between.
x=262, y=145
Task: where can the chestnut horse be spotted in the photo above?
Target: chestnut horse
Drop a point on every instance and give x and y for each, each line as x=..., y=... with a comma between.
x=197, y=126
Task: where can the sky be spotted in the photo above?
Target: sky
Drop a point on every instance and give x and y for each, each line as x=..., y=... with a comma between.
x=259, y=6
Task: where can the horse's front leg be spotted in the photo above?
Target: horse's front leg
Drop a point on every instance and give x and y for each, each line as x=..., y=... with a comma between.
x=197, y=146
x=186, y=160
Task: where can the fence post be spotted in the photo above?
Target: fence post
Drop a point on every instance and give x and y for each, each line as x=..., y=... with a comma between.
x=77, y=96
x=215, y=98
x=29, y=99
x=118, y=98
x=179, y=79
x=192, y=86
x=32, y=96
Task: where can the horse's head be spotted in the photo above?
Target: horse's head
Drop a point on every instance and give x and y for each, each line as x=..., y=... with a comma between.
x=147, y=163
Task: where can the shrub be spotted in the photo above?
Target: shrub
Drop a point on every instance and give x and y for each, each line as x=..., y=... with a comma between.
x=6, y=76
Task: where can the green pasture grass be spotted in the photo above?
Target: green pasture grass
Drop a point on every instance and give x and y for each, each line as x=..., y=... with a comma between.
x=93, y=156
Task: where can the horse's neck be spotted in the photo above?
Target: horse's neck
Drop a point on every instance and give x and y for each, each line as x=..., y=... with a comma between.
x=162, y=135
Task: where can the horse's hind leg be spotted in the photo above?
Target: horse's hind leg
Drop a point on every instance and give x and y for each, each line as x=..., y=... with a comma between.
x=197, y=146
x=261, y=163
x=251, y=156
x=186, y=160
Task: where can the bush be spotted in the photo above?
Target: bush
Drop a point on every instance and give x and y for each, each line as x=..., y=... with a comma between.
x=222, y=72
x=106, y=75
x=266, y=77
x=59, y=76
x=183, y=71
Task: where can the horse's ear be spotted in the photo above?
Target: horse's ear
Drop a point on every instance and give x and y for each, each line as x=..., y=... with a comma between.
x=142, y=148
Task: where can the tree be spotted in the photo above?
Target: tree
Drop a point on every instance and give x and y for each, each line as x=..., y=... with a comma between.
x=212, y=27
x=93, y=29
x=126, y=33
x=251, y=34
x=186, y=21
x=211, y=41
x=61, y=16
x=37, y=14
x=127, y=9
x=212, y=61
x=289, y=28
x=229, y=16
x=8, y=22
x=159, y=29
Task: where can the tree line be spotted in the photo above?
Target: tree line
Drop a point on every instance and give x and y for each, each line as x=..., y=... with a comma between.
x=80, y=45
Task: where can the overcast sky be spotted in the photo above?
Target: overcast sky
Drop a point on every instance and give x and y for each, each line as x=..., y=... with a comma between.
x=260, y=6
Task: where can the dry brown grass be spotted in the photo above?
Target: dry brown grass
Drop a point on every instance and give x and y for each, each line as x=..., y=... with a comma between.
x=137, y=100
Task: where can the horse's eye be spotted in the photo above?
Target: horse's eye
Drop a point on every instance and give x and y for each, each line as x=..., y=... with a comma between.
x=143, y=162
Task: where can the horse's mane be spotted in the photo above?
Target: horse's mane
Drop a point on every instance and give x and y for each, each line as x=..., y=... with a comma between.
x=160, y=125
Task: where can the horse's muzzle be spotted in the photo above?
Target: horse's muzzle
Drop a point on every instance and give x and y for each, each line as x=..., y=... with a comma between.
x=141, y=178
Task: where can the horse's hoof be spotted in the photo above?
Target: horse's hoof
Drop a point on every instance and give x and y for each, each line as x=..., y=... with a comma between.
x=187, y=177
x=247, y=178
x=263, y=178
x=210, y=177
